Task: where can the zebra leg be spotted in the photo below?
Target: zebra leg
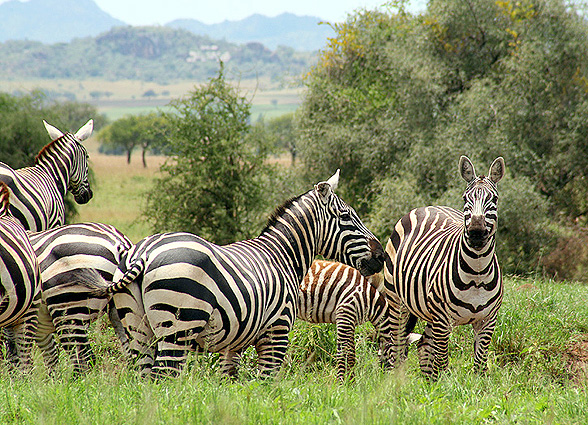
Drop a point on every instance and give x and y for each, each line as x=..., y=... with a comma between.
x=170, y=357
x=440, y=337
x=483, y=331
x=399, y=318
x=73, y=335
x=24, y=330
x=425, y=349
x=45, y=338
x=230, y=362
x=271, y=349
x=118, y=327
x=345, y=348
x=9, y=343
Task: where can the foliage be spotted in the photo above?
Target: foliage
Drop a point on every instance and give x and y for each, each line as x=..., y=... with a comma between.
x=283, y=130
x=146, y=53
x=396, y=99
x=217, y=179
x=127, y=133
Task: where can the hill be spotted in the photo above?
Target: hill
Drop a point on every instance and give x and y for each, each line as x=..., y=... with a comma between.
x=158, y=54
x=53, y=21
x=299, y=32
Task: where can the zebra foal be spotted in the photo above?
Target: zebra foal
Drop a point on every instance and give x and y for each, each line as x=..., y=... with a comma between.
x=19, y=283
x=38, y=192
x=441, y=267
x=332, y=292
x=176, y=292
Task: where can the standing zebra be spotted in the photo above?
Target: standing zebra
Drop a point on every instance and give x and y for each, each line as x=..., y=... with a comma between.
x=68, y=306
x=441, y=267
x=335, y=293
x=19, y=282
x=185, y=293
x=38, y=192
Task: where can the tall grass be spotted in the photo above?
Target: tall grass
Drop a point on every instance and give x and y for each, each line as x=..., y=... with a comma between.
x=528, y=380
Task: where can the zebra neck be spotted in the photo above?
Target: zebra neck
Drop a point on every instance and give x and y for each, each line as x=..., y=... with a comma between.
x=476, y=267
x=55, y=160
x=292, y=236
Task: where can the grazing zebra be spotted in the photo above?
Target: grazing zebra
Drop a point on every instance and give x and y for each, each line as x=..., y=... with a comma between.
x=38, y=192
x=19, y=283
x=185, y=293
x=68, y=306
x=335, y=293
x=441, y=267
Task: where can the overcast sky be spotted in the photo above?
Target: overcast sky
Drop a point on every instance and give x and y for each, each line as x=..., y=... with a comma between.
x=152, y=12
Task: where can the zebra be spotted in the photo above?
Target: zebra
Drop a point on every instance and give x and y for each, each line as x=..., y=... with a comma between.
x=333, y=292
x=67, y=305
x=38, y=192
x=20, y=285
x=441, y=267
x=176, y=292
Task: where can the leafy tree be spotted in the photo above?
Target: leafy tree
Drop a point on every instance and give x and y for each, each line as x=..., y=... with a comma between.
x=395, y=99
x=283, y=129
x=146, y=131
x=217, y=181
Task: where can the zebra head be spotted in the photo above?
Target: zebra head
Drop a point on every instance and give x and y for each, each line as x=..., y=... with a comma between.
x=346, y=239
x=481, y=198
x=79, y=185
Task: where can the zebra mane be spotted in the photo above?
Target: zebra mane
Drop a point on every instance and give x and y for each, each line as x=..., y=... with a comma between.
x=4, y=198
x=47, y=147
x=278, y=212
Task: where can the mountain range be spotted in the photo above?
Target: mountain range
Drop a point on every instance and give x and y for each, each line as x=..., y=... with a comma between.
x=58, y=21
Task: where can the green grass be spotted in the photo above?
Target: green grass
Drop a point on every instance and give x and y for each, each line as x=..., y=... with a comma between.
x=528, y=381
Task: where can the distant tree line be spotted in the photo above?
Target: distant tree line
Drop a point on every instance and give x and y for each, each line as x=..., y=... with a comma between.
x=157, y=54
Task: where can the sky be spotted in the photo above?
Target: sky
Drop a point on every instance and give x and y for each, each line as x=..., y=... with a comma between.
x=153, y=12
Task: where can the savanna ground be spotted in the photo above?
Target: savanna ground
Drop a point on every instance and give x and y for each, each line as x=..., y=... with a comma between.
x=537, y=364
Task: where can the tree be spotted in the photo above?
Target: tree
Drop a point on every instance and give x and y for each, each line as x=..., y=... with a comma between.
x=146, y=131
x=395, y=99
x=283, y=129
x=216, y=182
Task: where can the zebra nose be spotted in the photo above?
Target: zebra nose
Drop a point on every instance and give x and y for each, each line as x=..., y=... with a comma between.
x=376, y=249
x=477, y=224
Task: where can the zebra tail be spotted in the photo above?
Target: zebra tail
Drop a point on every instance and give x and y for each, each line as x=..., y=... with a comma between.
x=92, y=280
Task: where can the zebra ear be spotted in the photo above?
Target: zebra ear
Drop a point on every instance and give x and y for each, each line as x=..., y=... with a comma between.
x=324, y=189
x=54, y=132
x=466, y=169
x=334, y=180
x=85, y=132
x=497, y=170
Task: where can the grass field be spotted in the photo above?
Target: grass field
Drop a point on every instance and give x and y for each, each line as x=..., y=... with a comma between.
x=537, y=364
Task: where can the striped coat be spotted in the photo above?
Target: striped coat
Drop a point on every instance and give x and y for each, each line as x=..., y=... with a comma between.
x=441, y=267
x=335, y=293
x=186, y=293
x=19, y=283
x=38, y=192
x=65, y=254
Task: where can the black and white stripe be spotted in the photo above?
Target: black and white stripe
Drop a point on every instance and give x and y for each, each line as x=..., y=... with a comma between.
x=185, y=293
x=38, y=192
x=441, y=267
x=20, y=284
x=335, y=293
x=68, y=304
